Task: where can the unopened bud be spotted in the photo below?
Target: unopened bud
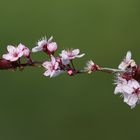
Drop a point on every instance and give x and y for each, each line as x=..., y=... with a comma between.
x=70, y=72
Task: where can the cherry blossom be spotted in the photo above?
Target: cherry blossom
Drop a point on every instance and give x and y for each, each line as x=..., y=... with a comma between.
x=128, y=81
x=127, y=62
x=127, y=74
x=52, y=68
x=48, y=46
x=91, y=67
x=14, y=53
x=68, y=55
x=130, y=91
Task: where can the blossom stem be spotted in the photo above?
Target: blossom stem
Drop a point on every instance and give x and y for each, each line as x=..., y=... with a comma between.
x=73, y=65
x=7, y=65
x=111, y=70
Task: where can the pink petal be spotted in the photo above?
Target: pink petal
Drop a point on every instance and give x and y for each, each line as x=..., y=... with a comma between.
x=20, y=47
x=37, y=49
x=81, y=55
x=65, y=61
x=133, y=84
x=47, y=73
x=52, y=47
x=14, y=59
x=56, y=73
x=132, y=100
x=56, y=65
x=128, y=56
x=53, y=60
x=20, y=54
x=76, y=52
x=118, y=89
x=26, y=52
x=64, y=54
x=127, y=89
x=42, y=43
x=7, y=56
x=11, y=48
x=47, y=64
x=50, y=39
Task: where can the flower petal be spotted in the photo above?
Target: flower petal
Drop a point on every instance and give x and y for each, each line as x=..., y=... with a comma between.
x=81, y=55
x=20, y=47
x=118, y=89
x=11, y=48
x=52, y=46
x=50, y=39
x=127, y=89
x=128, y=56
x=56, y=73
x=42, y=43
x=14, y=59
x=53, y=60
x=37, y=49
x=75, y=51
x=65, y=61
x=131, y=100
x=47, y=73
x=7, y=56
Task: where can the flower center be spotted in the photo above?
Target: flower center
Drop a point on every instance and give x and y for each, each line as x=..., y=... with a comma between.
x=70, y=54
x=45, y=48
x=136, y=91
x=15, y=54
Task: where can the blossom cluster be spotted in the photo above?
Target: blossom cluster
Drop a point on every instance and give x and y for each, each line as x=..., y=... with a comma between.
x=128, y=81
x=53, y=67
x=127, y=75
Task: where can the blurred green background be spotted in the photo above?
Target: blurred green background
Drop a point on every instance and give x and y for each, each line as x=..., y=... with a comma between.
x=68, y=108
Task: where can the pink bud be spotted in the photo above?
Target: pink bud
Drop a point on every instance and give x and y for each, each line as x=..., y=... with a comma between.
x=52, y=47
x=70, y=72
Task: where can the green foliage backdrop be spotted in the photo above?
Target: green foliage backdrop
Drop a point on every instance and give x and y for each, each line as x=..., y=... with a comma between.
x=68, y=108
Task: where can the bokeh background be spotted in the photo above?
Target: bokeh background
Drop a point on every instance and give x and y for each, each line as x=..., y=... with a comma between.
x=68, y=108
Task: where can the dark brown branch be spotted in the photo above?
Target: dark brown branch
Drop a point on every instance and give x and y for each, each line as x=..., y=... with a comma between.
x=5, y=64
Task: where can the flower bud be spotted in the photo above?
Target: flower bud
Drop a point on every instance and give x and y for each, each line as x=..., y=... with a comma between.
x=70, y=72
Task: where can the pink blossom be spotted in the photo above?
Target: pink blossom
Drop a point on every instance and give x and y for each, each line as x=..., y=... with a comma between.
x=68, y=55
x=91, y=67
x=52, y=67
x=130, y=91
x=121, y=83
x=45, y=45
x=70, y=72
x=14, y=53
x=127, y=62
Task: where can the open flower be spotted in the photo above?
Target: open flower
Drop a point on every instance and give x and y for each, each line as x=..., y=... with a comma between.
x=91, y=67
x=127, y=62
x=130, y=91
x=14, y=53
x=45, y=45
x=128, y=81
x=68, y=55
x=52, y=68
